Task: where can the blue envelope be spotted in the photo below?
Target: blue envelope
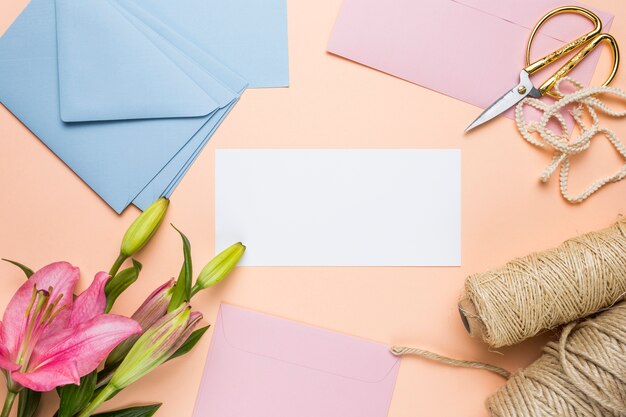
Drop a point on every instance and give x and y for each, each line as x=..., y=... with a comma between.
x=169, y=177
x=248, y=36
x=128, y=103
x=261, y=33
x=111, y=67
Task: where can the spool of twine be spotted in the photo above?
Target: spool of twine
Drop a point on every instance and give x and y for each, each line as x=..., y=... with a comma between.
x=583, y=374
x=547, y=289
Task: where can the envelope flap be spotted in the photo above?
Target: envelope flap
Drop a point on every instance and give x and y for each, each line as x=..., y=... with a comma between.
x=108, y=70
x=527, y=13
x=304, y=345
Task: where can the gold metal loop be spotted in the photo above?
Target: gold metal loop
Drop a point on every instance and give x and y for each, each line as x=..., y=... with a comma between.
x=548, y=59
x=546, y=87
x=590, y=41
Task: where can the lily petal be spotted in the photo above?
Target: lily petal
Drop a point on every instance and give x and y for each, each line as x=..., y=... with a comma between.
x=7, y=364
x=86, y=345
x=5, y=361
x=48, y=379
x=91, y=302
x=3, y=349
x=60, y=276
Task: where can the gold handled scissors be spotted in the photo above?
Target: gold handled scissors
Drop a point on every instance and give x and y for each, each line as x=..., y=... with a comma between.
x=526, y=88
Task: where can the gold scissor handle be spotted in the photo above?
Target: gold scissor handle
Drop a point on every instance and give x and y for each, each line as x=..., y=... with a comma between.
x=569, y=65
x=590, y=41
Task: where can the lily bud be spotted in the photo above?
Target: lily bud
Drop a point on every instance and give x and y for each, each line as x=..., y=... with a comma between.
x=155, y=346
x=144, y=227
x=219, y=267
x=152, y=310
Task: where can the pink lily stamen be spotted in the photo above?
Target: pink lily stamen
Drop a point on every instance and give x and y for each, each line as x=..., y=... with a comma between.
x=39, y=314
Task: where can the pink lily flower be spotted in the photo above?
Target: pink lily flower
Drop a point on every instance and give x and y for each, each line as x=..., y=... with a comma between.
x=48, y=339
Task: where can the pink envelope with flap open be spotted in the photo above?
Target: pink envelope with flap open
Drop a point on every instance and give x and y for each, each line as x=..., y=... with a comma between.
x=264, y=366
x=472, y=50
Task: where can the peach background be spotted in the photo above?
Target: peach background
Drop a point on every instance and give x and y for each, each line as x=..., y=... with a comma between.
x=48, y=214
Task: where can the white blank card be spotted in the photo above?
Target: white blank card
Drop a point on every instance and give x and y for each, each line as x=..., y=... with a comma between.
x=335, y=207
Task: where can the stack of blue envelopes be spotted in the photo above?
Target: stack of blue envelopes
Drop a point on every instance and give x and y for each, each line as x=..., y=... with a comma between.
x=128, y=92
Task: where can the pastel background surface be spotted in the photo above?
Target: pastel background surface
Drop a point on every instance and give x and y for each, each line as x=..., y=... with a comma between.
x=48, y=214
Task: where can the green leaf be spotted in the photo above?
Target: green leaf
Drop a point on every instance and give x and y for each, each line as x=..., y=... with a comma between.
x=182, y=288
x=101, y=388
x=29, y=272
x=120, y=283
x=143, y=411
x=104, y=376
x=76, y=397
x=28, y=402
x=190, y=343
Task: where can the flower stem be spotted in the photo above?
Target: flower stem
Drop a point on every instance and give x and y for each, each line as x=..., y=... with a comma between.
x=8, y=403
x=104, y=395
x=117, y=264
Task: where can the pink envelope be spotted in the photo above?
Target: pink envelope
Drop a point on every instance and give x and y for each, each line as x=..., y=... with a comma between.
x=472, y=50
x=263, y=366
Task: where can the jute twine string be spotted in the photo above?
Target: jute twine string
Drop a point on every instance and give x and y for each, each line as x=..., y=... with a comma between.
x=564, y=148
x=403, y=351
x=547, y=289
x=581, y=375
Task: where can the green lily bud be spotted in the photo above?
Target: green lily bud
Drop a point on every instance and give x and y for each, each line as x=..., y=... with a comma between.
x=158, y=344
x=155, y=346
x=144, y=227
x=219, y=267
x=151, y=311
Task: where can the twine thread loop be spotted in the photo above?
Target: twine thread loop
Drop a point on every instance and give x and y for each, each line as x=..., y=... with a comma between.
x=583, y=99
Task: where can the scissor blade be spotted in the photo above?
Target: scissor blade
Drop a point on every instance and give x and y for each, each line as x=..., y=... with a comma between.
x=524, y=89
x=504, y=103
